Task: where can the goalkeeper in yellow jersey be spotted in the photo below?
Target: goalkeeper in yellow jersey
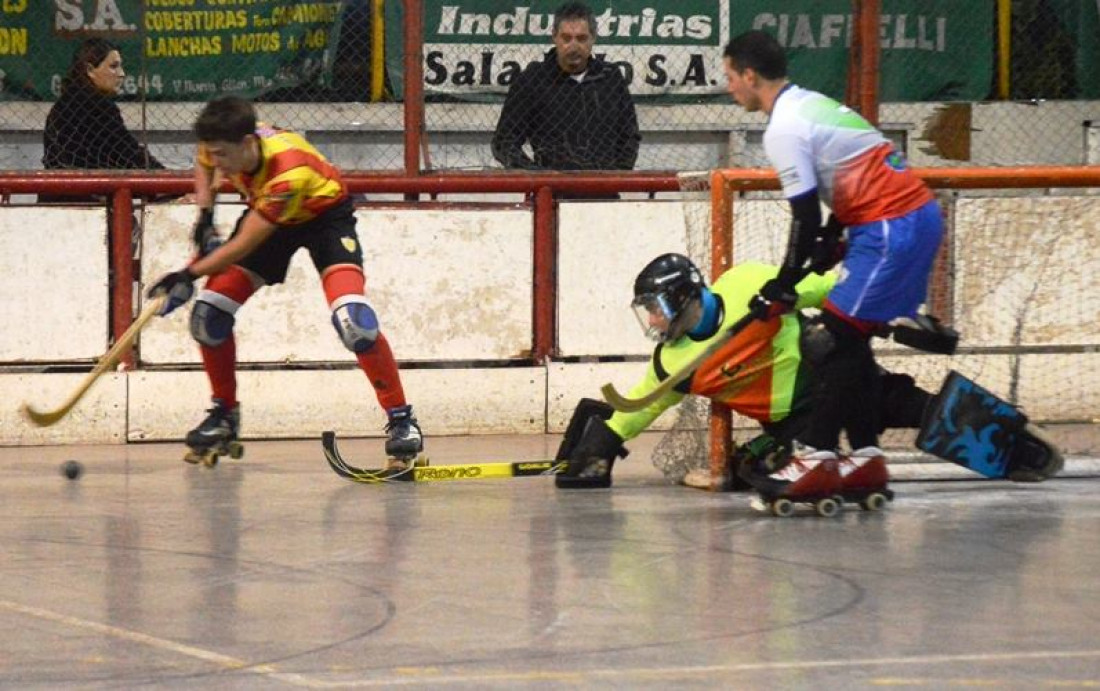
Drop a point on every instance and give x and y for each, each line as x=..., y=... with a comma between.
x=762, y=372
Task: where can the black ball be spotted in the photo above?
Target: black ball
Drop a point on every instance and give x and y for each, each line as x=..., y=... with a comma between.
x=72, y=469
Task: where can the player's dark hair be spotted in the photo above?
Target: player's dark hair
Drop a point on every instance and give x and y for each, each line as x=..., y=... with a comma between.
x=572, y=11
x=90, y=53
x=759, y=51
x=225, y=119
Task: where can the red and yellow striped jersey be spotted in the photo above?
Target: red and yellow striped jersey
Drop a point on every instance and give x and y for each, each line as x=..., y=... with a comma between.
x=294, y=184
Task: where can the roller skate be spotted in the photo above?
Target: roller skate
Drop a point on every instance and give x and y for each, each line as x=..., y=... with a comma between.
x=863, y=478
x=811, y=477
x=215, y=436
x=404, y=444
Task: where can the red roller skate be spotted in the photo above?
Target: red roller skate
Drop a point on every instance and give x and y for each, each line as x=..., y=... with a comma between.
x=811, y=477
x=863, y=479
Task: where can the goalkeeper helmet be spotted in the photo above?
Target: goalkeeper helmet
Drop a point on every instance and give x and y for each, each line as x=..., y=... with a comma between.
x=668, y=296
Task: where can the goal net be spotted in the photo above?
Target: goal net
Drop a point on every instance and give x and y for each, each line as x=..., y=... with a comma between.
x=1018, y=276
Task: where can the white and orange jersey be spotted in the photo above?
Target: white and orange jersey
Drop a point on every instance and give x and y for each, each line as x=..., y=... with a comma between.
x=815, y=142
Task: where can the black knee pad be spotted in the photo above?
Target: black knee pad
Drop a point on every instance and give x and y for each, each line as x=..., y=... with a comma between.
x=902, y=402
x=817, y=342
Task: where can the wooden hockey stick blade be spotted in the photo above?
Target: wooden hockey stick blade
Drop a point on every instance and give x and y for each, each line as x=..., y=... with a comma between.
x=630, y=405
x=461, y=471
x=45, y=418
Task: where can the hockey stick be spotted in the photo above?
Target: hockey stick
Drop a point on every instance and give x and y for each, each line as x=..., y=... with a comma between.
x=45, y=418
x=463, y=471
x=631, y=405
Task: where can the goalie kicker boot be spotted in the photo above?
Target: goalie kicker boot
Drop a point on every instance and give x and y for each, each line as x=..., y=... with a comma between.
x=863, y=478
x=405, y=441
x=811, y=477
x=216, y=436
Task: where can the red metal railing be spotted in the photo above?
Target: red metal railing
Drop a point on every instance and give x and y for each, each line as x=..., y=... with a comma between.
x=539, y=187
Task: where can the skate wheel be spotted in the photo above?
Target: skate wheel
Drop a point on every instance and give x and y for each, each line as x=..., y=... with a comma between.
x=210, y=460
x=782, y=507
x=236, y=450
x=192, y=457
x=421, y=463
x=827, y=507
x=874, y=502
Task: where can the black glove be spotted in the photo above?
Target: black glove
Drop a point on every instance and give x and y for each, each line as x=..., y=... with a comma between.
x=204, y=235
x=829, y=247
x=179, y=286
x=591, y=461
x=774, y=299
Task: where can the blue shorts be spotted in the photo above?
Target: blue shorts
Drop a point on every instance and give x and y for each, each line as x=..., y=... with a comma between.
x=887, y=265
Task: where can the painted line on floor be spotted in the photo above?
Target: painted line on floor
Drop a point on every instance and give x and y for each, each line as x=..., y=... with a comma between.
x=423, y=676
x=428, y=676
x=225, y=661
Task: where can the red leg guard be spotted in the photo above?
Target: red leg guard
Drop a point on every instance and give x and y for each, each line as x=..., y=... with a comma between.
x=377, y=363
x=220, y=362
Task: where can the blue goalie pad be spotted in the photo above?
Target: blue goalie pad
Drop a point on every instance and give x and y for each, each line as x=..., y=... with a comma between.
x=969, y=425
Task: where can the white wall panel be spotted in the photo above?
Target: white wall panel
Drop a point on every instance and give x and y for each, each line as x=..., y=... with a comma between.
x=1061, y=387
x=447, y=284
x=568, y=383
x=601, y=248
x=54, y=284
x=288, y=404
x=1027, y=270
x=99, y=418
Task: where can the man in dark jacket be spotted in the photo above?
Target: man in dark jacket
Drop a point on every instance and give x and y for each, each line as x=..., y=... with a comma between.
x=573, y=108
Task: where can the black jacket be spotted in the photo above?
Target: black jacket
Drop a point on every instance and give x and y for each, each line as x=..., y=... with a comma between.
x=587, y=125
x=84, y=130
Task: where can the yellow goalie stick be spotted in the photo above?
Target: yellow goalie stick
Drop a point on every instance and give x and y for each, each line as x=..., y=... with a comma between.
x=629, y=405
x=45, y=418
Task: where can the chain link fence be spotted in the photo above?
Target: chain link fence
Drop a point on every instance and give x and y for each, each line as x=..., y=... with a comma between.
x=1035, y=70
x=310, y=65
x=987, y=82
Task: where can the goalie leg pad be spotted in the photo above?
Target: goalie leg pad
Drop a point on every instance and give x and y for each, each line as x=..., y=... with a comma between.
x=591, y=461
x=1034, y=457
x=211, y=325
x=355, y=322
x=968, y=425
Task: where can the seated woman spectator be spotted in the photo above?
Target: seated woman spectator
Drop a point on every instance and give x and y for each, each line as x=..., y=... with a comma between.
x=84, y=129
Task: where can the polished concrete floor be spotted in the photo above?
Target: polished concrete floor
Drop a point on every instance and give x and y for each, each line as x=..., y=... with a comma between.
x=273, y=572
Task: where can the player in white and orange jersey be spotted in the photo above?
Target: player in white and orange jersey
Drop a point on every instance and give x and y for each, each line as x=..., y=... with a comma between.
x=825, y=153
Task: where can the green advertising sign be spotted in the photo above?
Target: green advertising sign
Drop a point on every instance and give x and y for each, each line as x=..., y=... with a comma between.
x=181, y=50
x=931, y=49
